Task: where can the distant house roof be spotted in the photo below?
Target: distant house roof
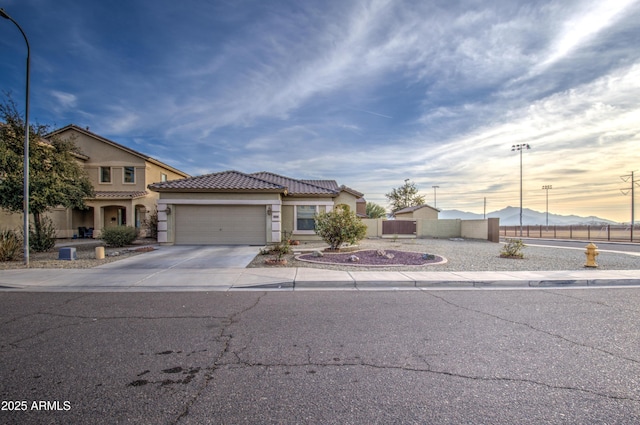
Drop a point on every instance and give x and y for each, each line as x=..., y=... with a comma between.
x=86, y=132
x=119, y=195
x=414, y=208
x=236, y=181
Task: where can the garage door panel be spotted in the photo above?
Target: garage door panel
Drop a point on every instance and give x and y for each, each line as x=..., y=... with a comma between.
x=220, y=224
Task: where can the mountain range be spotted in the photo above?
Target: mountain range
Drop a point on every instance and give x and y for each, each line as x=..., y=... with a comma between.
x=510, y=216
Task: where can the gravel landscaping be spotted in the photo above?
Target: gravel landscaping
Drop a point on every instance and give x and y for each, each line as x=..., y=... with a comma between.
x=461, y=255
x=85, y=251
x=466, y=255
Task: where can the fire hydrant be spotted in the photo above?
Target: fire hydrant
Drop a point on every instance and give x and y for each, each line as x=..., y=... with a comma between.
x=591, y=253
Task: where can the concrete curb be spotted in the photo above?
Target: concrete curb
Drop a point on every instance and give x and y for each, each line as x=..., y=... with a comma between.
x=292, y=279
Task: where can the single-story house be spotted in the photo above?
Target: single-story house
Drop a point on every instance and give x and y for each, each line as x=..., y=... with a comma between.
x=425, y=212
x=234, y=208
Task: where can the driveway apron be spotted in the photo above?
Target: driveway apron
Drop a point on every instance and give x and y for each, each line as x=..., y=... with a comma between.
x=188, y=257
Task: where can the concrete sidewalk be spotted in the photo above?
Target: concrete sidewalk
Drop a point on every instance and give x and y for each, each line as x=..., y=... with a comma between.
x=229, y=279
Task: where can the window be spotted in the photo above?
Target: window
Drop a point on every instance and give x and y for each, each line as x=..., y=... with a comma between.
x=129, y=174
x=304, y=217
x=105, y=174
x=163, y=177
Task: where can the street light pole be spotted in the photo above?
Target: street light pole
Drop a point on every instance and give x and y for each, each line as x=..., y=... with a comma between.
x=435, y=200
x=25, y=201
x=547, y=187
x=520, y=147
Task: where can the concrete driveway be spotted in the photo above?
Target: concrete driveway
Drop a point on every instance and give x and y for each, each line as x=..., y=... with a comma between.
x=188, y=257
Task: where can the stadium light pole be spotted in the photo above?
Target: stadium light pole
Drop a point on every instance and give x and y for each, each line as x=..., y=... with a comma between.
x=25, y=201
x=520, y=147
x=547, y=187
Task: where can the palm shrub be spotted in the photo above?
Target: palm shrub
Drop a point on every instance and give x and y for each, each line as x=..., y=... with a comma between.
x=10, y=244
x=339, y=226
x=118, y=236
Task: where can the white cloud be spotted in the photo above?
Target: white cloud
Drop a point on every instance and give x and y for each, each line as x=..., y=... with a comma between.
x=65, y=100
x=582, y=27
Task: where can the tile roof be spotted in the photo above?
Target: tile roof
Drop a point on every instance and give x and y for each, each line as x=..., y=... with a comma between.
x=301, y=187
x=225, y=181
x=119, y=195
x=327, y=184
x=414, y=208
x=234, y=181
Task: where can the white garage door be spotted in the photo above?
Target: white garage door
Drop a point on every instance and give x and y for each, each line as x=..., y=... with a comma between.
x=221, y=225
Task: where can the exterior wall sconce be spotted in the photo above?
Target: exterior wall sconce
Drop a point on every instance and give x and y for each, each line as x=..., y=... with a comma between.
x=269, y=210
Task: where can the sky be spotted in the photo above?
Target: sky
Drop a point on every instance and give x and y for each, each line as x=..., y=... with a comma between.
x=366, y=92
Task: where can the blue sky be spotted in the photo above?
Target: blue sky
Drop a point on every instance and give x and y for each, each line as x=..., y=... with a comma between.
x=368, y=93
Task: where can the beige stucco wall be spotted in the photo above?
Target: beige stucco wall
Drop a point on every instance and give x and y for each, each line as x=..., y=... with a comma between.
x=374, y=227
x=455, y=228
x=426, y=213
x=102, y=154
x=10, y=220
x=438, y=228
x=347, y=199
x=475, y=229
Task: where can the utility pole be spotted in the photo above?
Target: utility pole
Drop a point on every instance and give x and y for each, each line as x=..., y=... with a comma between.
x=406, y=192
x=520, y=147
x=626, y=178
x=435, y=203
x=547, y=187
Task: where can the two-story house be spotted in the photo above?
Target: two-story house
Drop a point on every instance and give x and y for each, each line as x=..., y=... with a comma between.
x=120, y=177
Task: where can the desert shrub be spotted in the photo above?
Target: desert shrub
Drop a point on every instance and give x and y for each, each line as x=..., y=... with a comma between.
x=339, y=226
x=10, y=244
x=42, y=238
x=279, y=250
x=118, y=236
x=152, y=224
x=513, y=249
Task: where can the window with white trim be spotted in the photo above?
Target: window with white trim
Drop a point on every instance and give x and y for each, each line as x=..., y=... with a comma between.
x=305, y=217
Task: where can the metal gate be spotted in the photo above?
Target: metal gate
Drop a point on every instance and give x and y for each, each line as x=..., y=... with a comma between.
x=398, y=227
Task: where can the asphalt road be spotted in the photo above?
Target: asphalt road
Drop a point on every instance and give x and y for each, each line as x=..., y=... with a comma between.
x=560, y=356
x=602, y=245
